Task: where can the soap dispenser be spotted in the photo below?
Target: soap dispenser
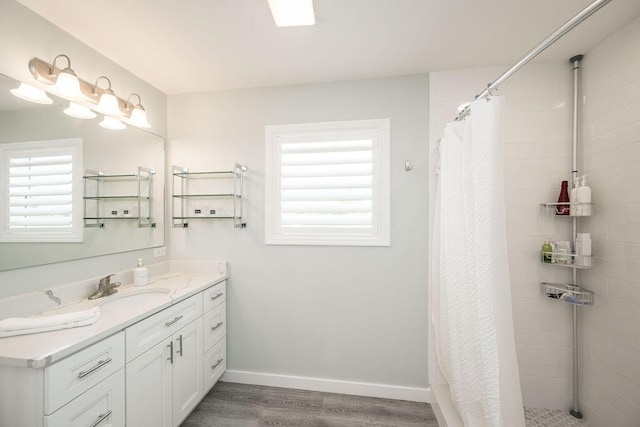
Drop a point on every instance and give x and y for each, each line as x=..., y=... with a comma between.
x=584, y=196
x=140, y=274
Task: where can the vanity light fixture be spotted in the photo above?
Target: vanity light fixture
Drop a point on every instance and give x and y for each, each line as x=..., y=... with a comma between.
x=292, y=13
x=111, y=123
x=85, y=96
x=137, y=113
x=79, y=112
x=32, y=94
x=108, y=101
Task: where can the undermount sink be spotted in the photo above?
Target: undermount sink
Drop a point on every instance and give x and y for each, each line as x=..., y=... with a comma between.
x=120, y=301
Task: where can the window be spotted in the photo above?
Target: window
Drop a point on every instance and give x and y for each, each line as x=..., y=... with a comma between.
x=41, y=197
x=328, y=183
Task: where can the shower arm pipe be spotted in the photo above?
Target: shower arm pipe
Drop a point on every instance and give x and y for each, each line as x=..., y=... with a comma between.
x=551, y=39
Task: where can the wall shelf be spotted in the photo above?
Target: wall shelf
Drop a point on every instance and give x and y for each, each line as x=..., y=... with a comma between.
x=567, y=293
x=223, y=190
x=101, y=190
x=575, y=209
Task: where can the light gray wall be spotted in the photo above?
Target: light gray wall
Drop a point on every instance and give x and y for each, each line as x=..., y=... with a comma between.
x=346, y=313
x=24, y=35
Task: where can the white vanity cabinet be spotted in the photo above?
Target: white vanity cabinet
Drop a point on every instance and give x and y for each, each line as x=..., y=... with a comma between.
x=84, y=389
x=153, y=372
x=165, y=383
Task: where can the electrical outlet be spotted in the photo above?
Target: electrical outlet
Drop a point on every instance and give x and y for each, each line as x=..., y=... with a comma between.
x=161, y=251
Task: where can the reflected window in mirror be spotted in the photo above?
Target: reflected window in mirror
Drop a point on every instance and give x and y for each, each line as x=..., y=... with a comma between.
x=41, y=191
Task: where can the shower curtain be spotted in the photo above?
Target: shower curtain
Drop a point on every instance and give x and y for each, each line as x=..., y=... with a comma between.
x=471, y=300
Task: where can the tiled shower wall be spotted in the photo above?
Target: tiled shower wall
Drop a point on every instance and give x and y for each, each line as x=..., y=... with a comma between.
x=610, y=333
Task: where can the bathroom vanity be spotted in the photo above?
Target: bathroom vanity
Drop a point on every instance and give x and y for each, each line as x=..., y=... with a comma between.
x=148, y=361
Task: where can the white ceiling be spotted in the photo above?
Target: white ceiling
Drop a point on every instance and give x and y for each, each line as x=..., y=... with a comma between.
x=205, y=45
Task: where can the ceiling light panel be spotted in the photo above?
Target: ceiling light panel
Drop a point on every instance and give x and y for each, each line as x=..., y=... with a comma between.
x=292, y=13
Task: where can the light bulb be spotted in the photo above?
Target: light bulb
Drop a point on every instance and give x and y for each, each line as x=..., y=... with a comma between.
x=67, y=85
x=32, y=94
x=79, y=112
x=109, y=104
x=139, y=117
x=111, y=123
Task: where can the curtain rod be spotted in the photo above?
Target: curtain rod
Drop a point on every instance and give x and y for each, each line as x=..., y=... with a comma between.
x=551, y=39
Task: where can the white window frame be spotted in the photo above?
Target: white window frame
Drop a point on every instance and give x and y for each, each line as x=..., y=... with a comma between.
x=71, y=146
x=275, y=135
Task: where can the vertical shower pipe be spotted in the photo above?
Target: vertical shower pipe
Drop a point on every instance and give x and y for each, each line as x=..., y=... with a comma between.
x=575, y=61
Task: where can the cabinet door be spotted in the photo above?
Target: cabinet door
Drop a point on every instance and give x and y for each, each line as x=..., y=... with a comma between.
x=187, y=370
x=149, y=387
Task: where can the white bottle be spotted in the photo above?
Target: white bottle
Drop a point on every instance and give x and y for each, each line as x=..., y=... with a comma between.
x=576, y=209
x=583, y=250
x=140, y=274
x=584, y=196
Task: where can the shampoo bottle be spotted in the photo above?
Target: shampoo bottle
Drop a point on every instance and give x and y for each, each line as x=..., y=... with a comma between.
x=561, y=208
x=584, y=196
x=576, y=209
x=140, y=274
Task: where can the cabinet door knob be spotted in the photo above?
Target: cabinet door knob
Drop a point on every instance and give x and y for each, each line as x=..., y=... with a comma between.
x=170, y=345
x=180, y=339
x=215, y=297
x=101, y=418
x=213, y=328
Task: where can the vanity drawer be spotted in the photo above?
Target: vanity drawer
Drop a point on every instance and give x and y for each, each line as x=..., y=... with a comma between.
x=214, y=296
x=145, y=334
x=70, y=377
x=215, y=326
x=215, y=363
x=101, y=406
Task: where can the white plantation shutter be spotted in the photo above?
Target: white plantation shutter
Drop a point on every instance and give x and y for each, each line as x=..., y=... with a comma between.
x=41, y=191
x=327, y=183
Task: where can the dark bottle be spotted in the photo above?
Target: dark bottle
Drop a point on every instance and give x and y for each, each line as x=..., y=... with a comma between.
x=562, y=209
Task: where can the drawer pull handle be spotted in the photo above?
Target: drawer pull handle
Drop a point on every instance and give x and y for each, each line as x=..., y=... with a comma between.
x=180, y=339
x=216, y=364
x=213, y=328
x=216, y=296
x=170, y=345
x=101, y=418
x=98, y=366
x=175, y=319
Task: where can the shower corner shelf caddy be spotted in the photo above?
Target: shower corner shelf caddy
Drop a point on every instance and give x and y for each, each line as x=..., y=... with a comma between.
x=224, y=188
x=570, y=294
x=101, y=190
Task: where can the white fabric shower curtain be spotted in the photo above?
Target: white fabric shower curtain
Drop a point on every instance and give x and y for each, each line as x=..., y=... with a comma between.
x=471, y=300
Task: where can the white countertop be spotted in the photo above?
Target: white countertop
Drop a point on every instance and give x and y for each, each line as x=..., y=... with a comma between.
x=42, y=349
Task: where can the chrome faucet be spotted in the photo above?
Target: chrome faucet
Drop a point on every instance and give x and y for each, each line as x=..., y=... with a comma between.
x=105, y=287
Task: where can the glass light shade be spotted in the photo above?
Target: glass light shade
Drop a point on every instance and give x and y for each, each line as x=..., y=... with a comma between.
x=109, y=104
x=139, y=117
x=292, y=13
x=111, y=123
x=32, y=94
x=79, y=112
x=67, y=85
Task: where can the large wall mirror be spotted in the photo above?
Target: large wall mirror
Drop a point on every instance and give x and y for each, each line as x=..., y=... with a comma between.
x=122, y=196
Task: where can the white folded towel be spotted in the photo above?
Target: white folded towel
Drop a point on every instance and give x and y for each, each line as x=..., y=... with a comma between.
x=32, y=325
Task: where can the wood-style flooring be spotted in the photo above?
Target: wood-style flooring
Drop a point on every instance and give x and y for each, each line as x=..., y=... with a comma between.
x=241, y=405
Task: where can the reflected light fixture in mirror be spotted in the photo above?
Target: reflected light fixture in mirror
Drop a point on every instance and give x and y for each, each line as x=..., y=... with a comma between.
x=111, y=123
x=138, y=115
x=79, y=112
x=32, y=94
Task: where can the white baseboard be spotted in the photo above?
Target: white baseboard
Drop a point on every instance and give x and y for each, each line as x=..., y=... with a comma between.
x=414, y=394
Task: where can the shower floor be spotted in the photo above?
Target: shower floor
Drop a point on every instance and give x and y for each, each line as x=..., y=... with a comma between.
x=540, y=417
